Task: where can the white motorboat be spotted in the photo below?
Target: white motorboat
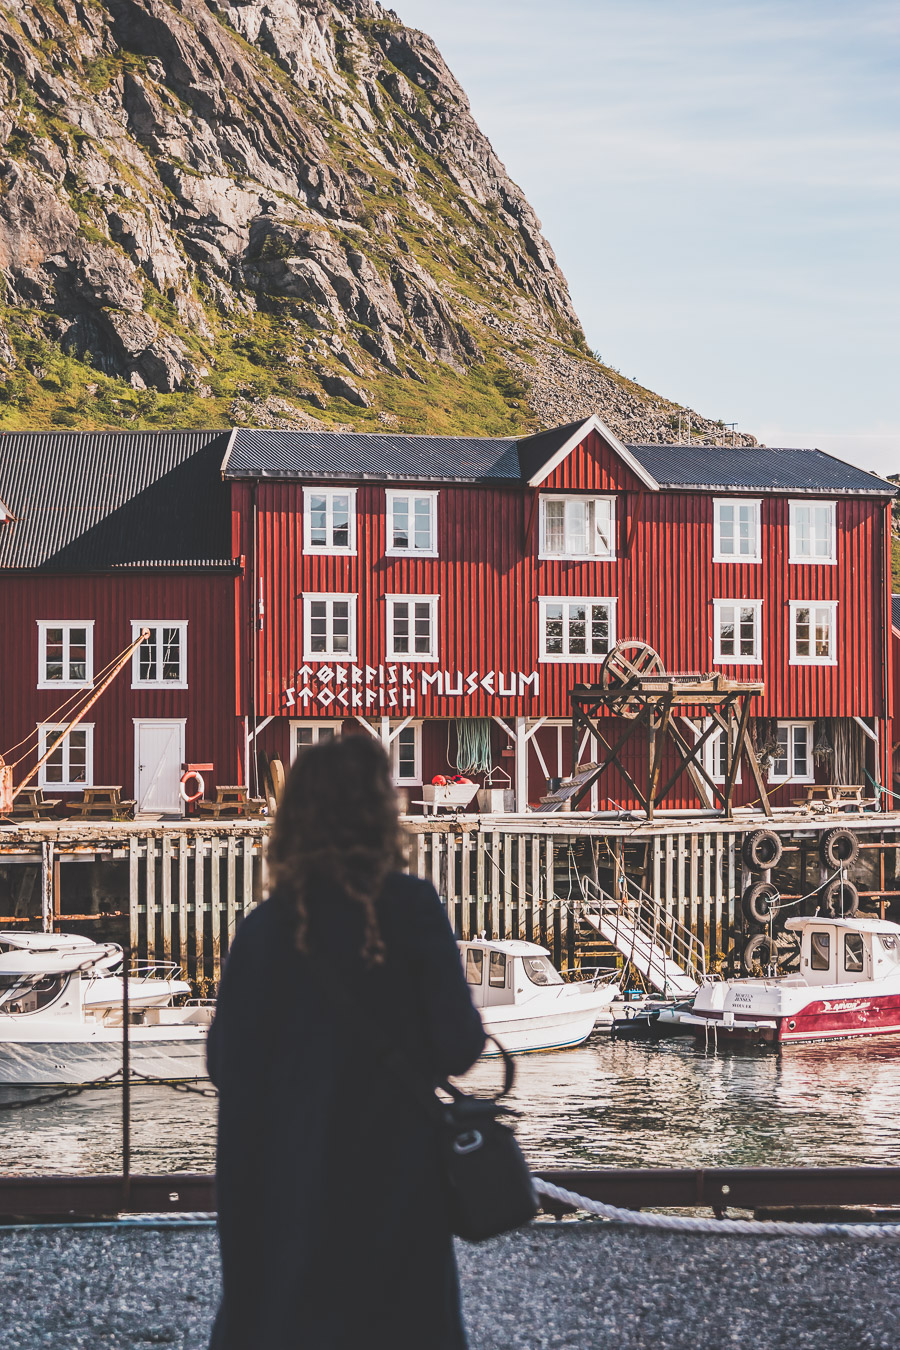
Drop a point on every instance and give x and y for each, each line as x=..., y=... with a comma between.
x=847, y=987
x=61, y=1011
x=525, y=1002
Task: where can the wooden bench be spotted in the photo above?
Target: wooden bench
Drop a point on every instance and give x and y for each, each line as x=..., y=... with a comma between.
x=232, y=800
x=830, y=797
x=102, y=803
x=31, y=804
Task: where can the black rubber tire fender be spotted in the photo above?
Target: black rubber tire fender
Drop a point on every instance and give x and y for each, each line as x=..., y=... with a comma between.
x=762, y=849
x=840, y=898
x=759, y=950
x=758, y=902
x=838, y=847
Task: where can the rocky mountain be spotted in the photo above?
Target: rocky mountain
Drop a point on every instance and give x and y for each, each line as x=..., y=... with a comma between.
x=277, y=212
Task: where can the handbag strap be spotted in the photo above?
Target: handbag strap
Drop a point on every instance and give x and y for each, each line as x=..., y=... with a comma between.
x=398, y=1064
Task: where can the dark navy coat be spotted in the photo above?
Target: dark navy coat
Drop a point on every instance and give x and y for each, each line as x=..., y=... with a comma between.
x=332, y=1219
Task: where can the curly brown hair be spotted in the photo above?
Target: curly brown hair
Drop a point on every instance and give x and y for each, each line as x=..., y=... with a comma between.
x=337, y=829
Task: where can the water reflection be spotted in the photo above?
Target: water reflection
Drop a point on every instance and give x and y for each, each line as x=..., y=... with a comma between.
x=605, y=1104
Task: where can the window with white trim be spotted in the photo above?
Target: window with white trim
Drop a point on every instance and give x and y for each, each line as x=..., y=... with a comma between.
x=329, y=627
x=65, y=654
x=406, y=755
x=813, y=633
x=792, y=760
x=737, y=530
x=161, y=661
x=412, y=627
x=329, y=520
x=576, y=628
x=715, y=759
x=578, y=527
x=305, y=734
x=71, y=766
x=737, y=626
x=412, y=523
x=812, y=532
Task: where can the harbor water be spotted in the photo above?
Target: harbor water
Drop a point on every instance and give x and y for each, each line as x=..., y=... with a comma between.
x=605, y=1104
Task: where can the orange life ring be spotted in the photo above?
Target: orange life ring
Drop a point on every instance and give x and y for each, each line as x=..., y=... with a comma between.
x=201, y=786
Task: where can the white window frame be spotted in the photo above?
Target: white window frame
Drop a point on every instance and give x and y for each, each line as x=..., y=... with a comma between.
x=318, y=727
x=412, y=658
x=812, y=660
x=416, y=780
x=65, y=624
x=579, y=658
x=741, y=603
x=47, y=733
x=709, y=756
x=311, y=597
x=790, y=776
x=329, y=493
x=544, y=554
x=809, y=504
x=718, y=555
x=157, y=624
x=411, y=551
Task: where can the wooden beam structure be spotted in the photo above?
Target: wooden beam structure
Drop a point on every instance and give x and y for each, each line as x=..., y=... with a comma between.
x=635, y=692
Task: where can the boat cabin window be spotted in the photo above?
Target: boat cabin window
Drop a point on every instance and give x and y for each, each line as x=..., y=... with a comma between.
x=888, y=941
x=20, y=994
x=853, y=952
x=540, y=970
x=474, y=965
x=497, y=971
x=820, y=951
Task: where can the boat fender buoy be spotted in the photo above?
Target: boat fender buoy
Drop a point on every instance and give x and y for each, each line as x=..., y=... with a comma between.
x=439, y=780
x=838, y=846
x=841, y=898
x=762, y=849
x=182, y=786
x=759, y=901
x=760, y=951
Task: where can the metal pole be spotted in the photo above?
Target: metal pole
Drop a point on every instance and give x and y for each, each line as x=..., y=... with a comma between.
x=126, y=1084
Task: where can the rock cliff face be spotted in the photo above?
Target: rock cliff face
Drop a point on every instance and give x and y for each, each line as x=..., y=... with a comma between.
x=273, y=211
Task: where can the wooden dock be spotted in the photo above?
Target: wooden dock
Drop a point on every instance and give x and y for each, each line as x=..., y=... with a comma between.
x=175, y=891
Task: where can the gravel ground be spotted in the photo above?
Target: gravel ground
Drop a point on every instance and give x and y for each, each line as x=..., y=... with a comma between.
x=565, y=1286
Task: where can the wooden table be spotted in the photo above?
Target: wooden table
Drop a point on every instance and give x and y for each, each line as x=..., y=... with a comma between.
x=830, y=796
x=105, y=802
x=231, y=800
x=31, y=804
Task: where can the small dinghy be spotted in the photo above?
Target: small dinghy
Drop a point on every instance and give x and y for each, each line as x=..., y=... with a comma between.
x=61, y=1009
x=525, y=1002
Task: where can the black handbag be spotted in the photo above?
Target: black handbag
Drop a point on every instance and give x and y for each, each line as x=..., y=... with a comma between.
x=489, y=1186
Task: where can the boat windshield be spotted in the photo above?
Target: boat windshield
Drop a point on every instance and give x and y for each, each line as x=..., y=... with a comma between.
x=26, y=994
x=540, y=970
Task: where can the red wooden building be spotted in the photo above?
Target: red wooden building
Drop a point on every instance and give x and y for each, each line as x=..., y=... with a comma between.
x=106, y=534
x=449, y=591
x=445, y=591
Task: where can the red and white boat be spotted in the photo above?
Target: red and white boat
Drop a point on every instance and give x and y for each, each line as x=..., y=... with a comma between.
x=848, y=986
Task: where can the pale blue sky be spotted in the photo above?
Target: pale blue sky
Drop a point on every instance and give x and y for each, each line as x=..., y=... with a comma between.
x=721, y=184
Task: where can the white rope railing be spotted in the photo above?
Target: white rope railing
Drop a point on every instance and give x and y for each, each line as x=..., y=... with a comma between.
x=682, y=1223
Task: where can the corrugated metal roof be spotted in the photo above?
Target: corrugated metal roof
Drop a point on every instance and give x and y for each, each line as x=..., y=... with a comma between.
x=473, y=459
x=329, y=454
x=895, y=611
x=755, y=468
x=89, y=501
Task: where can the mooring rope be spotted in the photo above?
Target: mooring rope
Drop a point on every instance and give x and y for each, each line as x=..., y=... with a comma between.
x=680, y=1223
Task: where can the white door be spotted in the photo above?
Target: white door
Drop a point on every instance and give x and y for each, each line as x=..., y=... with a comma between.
x=159, y=753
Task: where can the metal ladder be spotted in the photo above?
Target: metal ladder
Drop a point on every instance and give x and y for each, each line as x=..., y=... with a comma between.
x=665, y=952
